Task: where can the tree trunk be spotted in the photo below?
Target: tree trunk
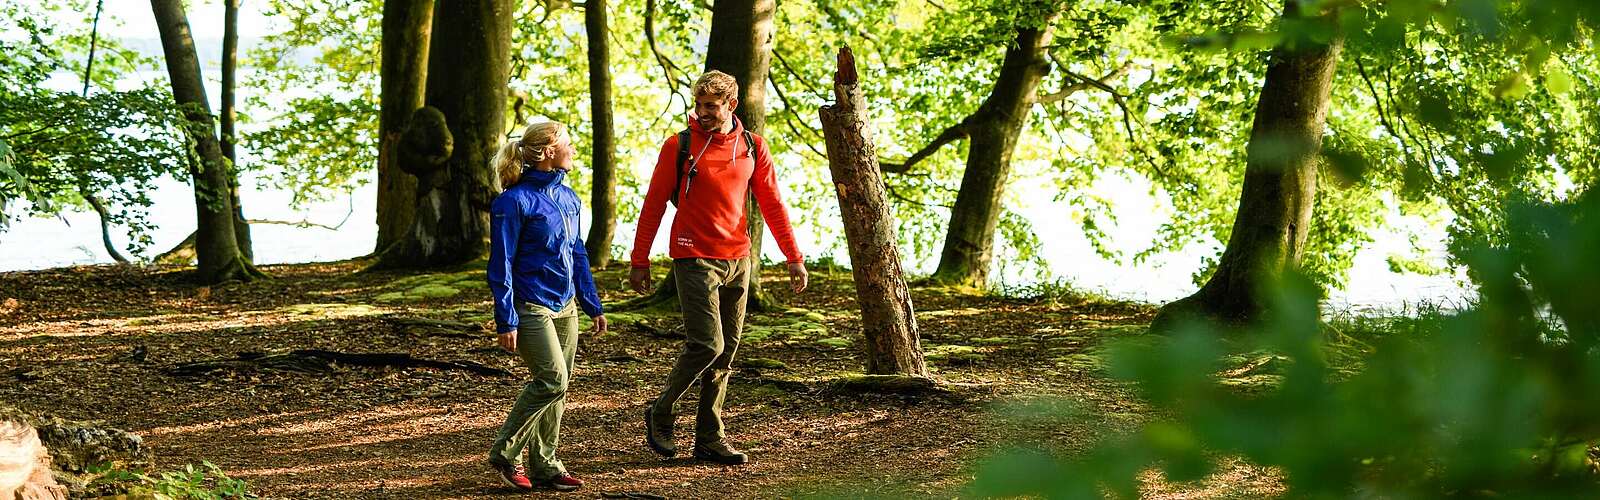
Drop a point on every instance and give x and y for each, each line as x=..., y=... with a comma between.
x=992, y=135
x=741, y=45
x=216, y=244
x=602, y=161
x=1280, y=187
x=105, y=227
x=887, y=318
x=230, y=67
x=407, y=27
x=469, y=63
x=94, y=201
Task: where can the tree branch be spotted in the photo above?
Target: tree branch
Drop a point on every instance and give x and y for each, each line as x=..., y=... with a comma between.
x=301, y=224
x=788, y=118
x=1083, y=83
x=667, y=66
x=105, y=225
x=790, y=70
x=952, y=134
x=1383, y=117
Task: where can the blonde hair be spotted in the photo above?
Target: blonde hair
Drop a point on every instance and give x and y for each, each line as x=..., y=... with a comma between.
x=515, y=156
x=716, y=84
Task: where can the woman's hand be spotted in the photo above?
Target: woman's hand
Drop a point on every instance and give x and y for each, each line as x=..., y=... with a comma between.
x=508, y=341
x=599, y=325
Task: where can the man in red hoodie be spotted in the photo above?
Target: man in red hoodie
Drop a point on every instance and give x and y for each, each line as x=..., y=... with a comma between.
x=710, y=250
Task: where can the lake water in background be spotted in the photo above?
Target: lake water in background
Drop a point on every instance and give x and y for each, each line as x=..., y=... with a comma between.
x=74, y=239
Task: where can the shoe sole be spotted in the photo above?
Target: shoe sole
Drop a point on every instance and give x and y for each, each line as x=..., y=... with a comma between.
x=710, y=458
x=651, y=442
x=509, y=484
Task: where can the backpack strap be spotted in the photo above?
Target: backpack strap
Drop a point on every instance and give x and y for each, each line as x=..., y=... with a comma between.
x=683, y=158
x=750, y=143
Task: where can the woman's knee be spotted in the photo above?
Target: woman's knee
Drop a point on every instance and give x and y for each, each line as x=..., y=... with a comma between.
x=552, y=383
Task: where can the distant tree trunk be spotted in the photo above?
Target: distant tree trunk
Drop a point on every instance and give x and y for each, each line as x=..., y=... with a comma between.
x=887, y=318
x=741, y=45
x=992, y=131
x=603, y=197
x=94, y=201
x=105, y=225
x=230, y=67
x=1280, y=187
x=407, y=28
x=217, y=247
x=469, y=63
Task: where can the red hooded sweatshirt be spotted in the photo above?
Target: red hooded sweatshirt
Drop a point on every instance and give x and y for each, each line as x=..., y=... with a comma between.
x=710, y=223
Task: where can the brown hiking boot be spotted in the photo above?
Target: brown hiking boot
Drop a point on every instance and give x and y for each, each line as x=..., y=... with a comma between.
x=658, y=433
x=720, y=453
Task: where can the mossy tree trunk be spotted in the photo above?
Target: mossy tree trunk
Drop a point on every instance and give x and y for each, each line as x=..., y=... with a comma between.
x=468, y=65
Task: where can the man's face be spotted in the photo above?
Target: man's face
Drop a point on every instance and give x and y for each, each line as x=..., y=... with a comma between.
x=714, y=112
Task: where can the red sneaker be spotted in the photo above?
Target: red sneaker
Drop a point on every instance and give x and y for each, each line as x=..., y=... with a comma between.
x=563, y=482
x=515, y=476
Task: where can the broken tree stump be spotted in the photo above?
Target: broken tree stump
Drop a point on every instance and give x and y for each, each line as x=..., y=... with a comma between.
x=887, y=319
x=25, y=465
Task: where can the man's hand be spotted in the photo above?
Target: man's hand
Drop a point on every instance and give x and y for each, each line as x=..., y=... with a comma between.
x=798, y=276
x=639, y=279
x=508, y=341
x=599, y=325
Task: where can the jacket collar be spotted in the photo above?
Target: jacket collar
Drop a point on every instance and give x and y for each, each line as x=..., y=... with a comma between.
x=542, y=179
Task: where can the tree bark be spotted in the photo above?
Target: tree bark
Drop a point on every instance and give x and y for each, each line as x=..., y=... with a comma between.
x=230, y=69
x=1280, y=187
x=216, y=244
x=603, y=197
x=105, y=227
x=992, y=133
x=468, y=66
x=741, y=45
x=407, y=28
x=888, y=320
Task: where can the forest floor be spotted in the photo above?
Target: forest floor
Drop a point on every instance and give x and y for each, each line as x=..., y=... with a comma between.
x=101, y=342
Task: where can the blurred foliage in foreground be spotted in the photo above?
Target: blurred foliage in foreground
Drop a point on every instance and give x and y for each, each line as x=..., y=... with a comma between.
x=1495, y=400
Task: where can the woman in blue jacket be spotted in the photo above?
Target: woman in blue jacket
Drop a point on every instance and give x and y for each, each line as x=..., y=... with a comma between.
x=539, y=274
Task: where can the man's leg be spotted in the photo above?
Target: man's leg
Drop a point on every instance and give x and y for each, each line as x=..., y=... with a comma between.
x=540, y=349
x=698, y=299
x=543, y=450
x=714, y=382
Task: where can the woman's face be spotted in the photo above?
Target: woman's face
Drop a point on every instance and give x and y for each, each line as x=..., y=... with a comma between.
x=560, y=155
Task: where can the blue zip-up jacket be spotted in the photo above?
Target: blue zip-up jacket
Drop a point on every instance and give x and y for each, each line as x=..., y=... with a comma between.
x=536, y=251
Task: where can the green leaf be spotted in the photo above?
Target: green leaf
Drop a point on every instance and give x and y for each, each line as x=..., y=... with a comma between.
x=1512, y=86
x=1558, y=81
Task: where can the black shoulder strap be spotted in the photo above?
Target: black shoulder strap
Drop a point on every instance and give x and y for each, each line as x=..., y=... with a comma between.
x=750, y=143
x=683, y=157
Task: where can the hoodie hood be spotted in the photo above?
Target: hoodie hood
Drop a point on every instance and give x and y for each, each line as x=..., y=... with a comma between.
x=718, y=137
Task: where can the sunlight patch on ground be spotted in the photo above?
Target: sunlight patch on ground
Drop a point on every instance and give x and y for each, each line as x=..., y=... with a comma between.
x=186, y=323
x=220, y=424
x=969, y=311
x=351, y=421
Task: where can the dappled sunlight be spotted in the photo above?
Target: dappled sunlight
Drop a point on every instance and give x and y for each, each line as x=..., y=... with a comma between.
x=224, y=424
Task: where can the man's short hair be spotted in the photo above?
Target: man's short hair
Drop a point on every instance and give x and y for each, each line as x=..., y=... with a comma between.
x=716, y=84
